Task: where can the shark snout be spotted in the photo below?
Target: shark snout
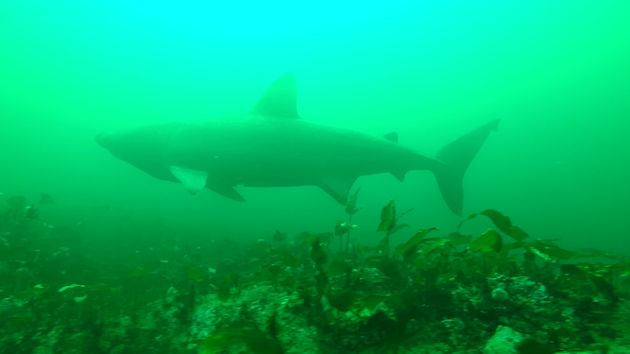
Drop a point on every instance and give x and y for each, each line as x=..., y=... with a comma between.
x=102, y=139
x=99, y=138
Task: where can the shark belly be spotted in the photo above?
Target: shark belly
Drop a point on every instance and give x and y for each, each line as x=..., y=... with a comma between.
x=271, y=146
x=266, y=152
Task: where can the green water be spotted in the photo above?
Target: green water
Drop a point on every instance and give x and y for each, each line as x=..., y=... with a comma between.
x=557, y=73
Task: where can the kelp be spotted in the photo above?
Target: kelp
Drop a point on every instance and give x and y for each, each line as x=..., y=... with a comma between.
x=196, y=275
x=384, y=288
x=351, y=205
x=502, y=222
x=593, y=253
x=318, y=255
x=437, y=243
x=383, y=246
x=370, y=302
x=389, y=219
x=279, y=236
x=532, y=346
x=229, y=281
x=548, y=250
x=388, y=267
x=337, y=268
x=388, y=224
x=343, y=227
x=342, y=300
x=597, y=276
x=490, y=241
x=408, y=249
x=346, y=227
x=458, y=239
x=285, y=258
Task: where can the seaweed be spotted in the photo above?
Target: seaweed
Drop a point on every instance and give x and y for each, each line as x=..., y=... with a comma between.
x=432, y=288
x=196, y=275
x=256, y=341
x=502, y=222
x=489, y=242
x=532, y=346
x=409, y=249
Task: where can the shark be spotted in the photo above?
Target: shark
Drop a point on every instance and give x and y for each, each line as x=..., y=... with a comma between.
x=272, y=146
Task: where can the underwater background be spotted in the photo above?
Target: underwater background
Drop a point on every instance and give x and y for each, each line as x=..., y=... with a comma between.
x=556, y=73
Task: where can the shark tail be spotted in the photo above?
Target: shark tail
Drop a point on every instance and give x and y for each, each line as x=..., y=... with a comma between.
x=455, y=158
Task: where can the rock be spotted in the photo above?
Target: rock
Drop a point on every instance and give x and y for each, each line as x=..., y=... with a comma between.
x=504, y=341
x=618, y=349
x=8, y=305
x=500, y=295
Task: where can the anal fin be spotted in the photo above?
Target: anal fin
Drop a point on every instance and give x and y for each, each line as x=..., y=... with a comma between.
x=400, y=175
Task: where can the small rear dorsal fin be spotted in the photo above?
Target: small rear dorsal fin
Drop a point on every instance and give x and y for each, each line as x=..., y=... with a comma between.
x=393, y=137
x=280, y=99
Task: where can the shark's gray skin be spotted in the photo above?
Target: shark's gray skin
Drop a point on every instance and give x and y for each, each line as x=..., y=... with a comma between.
x=272, y=147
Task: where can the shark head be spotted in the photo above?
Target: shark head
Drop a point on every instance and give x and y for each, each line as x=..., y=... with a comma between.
x=142, y=147
x=128, y=146
x=105, y=140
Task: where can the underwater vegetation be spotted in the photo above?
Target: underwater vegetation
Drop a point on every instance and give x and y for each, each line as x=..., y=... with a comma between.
x=503, y=291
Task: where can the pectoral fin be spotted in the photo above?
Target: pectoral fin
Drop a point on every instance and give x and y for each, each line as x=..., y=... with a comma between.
x=337, y=186
x=225, y=190
x=193, y=180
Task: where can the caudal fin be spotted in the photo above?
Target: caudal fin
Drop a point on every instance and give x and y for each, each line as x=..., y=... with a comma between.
x=456, y=157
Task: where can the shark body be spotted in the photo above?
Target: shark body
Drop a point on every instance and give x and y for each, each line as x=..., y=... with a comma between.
x=271, y=146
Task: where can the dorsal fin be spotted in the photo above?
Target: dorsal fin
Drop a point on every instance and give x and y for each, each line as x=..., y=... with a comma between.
x=280, y=99
x=393, y=136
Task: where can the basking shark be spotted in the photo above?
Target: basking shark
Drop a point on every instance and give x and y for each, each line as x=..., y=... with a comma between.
x=271, y=146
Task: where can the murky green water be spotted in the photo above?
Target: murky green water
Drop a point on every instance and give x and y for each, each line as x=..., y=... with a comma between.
x=556, y=74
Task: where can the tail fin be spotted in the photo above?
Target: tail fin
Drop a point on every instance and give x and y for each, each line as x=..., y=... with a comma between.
x=456, y=157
